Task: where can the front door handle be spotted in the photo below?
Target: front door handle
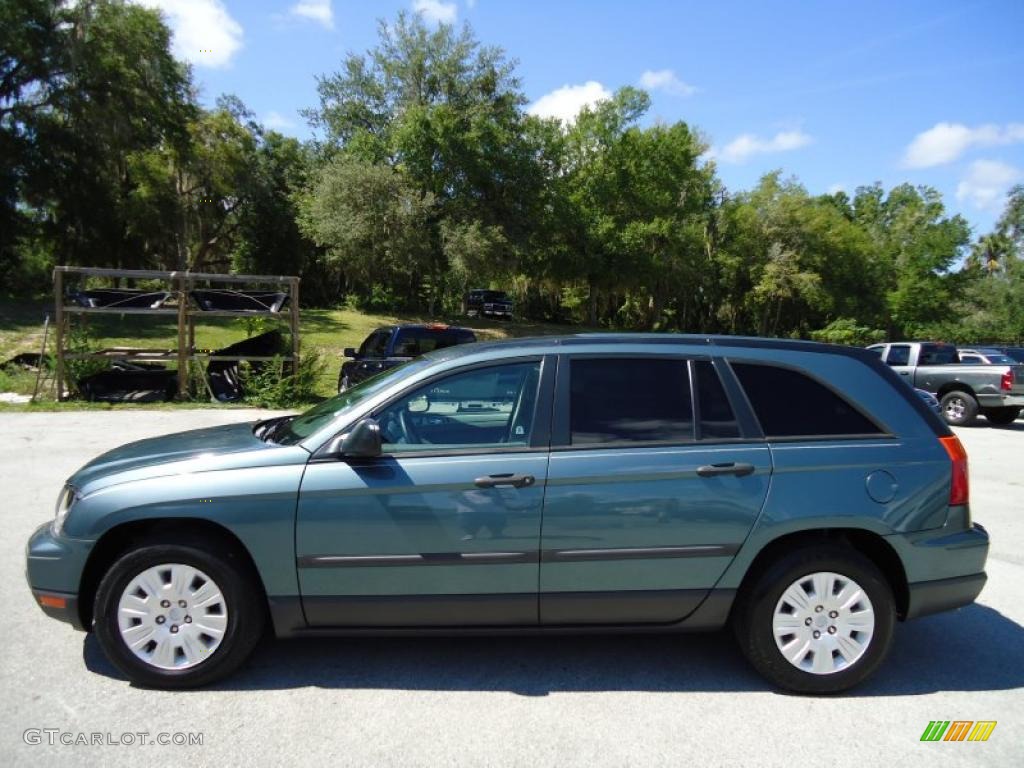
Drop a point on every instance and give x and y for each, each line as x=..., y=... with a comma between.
x=506, y=479
x=728, y=468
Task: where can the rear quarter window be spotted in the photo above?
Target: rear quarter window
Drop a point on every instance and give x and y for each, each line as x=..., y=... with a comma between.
x=789, y=403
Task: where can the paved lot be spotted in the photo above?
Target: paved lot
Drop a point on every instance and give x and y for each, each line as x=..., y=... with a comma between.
x=538, y=701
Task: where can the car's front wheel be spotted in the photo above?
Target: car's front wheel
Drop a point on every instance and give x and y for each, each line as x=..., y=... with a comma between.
x=177, y=616
x=817, y=621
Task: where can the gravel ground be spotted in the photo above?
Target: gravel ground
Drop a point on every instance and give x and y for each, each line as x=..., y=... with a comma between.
x=538, y=701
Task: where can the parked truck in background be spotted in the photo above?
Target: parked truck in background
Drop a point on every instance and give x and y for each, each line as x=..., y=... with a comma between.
x=964, y=391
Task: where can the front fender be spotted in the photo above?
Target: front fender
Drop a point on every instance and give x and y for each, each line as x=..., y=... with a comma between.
x=256, y=504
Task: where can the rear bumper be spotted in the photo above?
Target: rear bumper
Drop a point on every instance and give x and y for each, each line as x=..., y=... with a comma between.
x=1000, y=400
x=927, y=597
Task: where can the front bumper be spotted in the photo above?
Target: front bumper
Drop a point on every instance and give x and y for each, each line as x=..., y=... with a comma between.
x=53, y=569
x=60, y=606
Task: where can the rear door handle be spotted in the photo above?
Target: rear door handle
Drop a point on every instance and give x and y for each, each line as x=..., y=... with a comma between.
x=506, y=479
x=727, y=468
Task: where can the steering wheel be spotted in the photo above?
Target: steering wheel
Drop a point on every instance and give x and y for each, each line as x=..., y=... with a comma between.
x=405, y=422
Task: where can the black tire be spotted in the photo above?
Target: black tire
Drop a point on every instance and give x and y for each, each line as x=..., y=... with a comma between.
x=1002, y=416
x=244, y=605
x=959, y=408
x=753, y=618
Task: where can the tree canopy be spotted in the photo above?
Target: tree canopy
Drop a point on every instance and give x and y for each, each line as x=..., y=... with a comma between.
x=428, y=177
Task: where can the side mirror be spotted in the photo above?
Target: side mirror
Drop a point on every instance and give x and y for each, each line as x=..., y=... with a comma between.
x=362, y=442
x=349, y=352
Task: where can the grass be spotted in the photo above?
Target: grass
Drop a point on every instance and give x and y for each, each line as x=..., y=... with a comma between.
x=326, y=330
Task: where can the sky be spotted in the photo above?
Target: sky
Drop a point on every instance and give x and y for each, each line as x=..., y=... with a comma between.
x=837, y=94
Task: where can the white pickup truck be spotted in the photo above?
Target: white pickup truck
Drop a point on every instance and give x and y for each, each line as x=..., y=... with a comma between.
x=964, y=390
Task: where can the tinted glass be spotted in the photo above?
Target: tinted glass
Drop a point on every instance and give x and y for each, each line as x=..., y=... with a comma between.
x=376, y=344
x=319, y=416
x=629, y=399
x=899, y=354
x=716, y=416
x=1017, y=353
x=970, y=359
x=790, y=404
x=938, y=354
x=1000, y=360
x=485, y=407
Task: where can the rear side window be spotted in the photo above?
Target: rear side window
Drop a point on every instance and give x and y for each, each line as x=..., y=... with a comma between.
x=717, y=419
x=629, y=400
x=790, y=404
x=938, y=354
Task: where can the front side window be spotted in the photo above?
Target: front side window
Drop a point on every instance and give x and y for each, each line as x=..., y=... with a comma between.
x=376, y=344
x=791, y=404
x=489, y=407
x=638, y=400
x=899, y=354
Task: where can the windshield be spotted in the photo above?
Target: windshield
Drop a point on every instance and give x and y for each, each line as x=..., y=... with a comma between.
x=319, y=416
x=1000, y=360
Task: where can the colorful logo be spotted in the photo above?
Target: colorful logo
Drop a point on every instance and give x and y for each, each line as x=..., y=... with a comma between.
x=958, y=730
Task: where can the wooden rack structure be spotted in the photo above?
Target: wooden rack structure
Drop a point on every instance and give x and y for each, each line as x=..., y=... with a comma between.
x=180, y=285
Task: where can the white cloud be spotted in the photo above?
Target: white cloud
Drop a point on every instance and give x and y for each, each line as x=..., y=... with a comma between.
x=945, y=142
x=566, y=102
x=277, y=122
x=740, y=149
x=986, y=184
x=436, y=11
x=319, y=11
x=666, y=80
x=204, y=32
x=835, y=189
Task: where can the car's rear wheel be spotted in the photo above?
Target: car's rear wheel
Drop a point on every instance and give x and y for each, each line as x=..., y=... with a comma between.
x=176, y=616
x=817, y=621
x=959, y=408
x=1002, y=416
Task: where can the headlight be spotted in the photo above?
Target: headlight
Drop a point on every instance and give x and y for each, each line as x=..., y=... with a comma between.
x=64, y=503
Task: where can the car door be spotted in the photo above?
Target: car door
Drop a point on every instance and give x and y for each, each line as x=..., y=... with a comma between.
x=442, y=529
x=651, y=491
x=898, y=358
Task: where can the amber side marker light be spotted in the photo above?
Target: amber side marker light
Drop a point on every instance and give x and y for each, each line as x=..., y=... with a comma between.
x=959, y=489
x=53, y=602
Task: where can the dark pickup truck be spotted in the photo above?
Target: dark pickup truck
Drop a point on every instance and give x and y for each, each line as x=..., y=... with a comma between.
x=964, y=390
x=393, y=345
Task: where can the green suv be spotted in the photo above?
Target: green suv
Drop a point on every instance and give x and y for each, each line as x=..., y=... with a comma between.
x=800, y=494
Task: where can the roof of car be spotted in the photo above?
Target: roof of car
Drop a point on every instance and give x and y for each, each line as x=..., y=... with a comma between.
x=592, y=339
x=424, y=326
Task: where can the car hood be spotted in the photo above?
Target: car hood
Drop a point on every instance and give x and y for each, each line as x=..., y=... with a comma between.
x=160, y=454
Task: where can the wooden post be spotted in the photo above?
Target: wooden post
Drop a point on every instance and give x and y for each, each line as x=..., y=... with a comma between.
x=183, y=352
x=58, y=314
x=293, y=300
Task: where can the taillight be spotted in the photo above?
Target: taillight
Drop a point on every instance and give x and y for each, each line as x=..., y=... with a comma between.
x=1007, y=381
x=959, y=493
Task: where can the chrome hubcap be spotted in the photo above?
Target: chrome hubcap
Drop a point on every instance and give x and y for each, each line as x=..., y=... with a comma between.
x=823, y=623
x=172, y=616
x=955, y=408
